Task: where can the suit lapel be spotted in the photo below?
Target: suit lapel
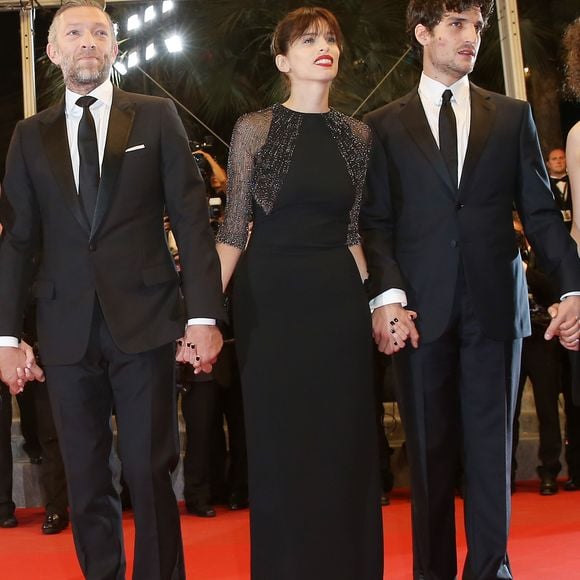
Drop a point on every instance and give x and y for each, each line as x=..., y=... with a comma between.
x=414, y=119
x=120, y=125
x=482, y=118
x=54, y=137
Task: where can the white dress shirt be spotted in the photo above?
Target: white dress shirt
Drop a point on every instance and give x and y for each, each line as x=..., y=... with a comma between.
x=101, y=111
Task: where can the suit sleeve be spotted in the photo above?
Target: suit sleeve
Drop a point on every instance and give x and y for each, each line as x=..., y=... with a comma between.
x=377, y=224
x=20, y=239
x=186, y=204
x=556, y=251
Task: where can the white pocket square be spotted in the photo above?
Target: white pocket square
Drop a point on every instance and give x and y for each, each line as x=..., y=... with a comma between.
x=135, y=148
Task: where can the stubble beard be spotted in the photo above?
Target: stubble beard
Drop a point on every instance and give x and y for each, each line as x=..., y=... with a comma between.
x=79, y=75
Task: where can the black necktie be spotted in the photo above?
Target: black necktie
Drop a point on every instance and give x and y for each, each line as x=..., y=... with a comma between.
x=448, y=135
x=89, y=174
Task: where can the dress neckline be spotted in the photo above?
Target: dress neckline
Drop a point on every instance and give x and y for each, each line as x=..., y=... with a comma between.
x=292, y=111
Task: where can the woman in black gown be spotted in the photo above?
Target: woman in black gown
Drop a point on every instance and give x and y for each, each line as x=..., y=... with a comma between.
x=303, y=331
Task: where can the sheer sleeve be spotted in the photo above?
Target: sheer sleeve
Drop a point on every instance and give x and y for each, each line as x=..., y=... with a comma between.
x=361, y=151
x=248, y=137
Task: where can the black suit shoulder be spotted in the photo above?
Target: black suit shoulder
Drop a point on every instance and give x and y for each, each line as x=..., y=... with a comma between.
x=375, y=117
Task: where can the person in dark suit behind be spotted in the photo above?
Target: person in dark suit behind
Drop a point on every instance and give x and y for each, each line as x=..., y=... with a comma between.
x=560, y=183
x=450, y=160
x=86, y=184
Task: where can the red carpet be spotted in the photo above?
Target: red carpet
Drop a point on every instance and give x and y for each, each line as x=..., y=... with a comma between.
x=544, y=543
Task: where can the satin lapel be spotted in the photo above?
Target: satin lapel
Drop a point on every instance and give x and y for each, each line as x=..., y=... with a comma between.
x=482, y=120
x=55, y=139
x=120, y=125
x=414, y=119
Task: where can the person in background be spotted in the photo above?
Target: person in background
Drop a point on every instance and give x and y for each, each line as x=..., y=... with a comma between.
x=560, y=183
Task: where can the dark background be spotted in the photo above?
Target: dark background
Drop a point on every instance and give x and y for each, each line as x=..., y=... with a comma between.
x=487, y=74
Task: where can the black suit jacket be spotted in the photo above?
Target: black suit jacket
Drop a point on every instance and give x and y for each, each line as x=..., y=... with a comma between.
x=122, y=256
x=417, y=227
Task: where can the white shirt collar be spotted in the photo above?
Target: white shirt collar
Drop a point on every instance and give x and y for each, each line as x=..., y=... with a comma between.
x=432, y=90
x=103, y=93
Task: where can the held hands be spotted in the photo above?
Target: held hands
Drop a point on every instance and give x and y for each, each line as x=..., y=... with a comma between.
x=392, y=327
x=565, y=323
x=18, y=366
x=200, y=347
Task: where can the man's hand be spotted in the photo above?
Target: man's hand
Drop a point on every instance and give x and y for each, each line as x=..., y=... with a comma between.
x=565, y=323
x=392, y=327
x=18, y=366
x=200, y=347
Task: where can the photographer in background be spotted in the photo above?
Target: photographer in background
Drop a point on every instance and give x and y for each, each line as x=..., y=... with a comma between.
x=215, y=180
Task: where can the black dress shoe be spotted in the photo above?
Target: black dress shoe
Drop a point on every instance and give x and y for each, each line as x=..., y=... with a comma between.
x=238, y=502
x=54, y=524
x=8, y=521
x=201, y=510
x=548, y=485
x=571, y=485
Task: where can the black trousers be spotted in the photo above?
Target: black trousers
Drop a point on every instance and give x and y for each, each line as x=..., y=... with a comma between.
x=198, y=407
x=541, y=363
x=572, y=411
x=141, y=388
x=230, y=458
x=457, y=397
x=7, y=506
x=52, y=472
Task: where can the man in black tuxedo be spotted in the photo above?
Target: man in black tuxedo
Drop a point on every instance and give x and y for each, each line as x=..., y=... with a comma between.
x=560, y=183
x=450, y=160
x=87, y=183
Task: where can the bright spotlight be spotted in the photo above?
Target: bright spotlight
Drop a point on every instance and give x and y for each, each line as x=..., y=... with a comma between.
x=133, y=22
x=173, y=43
x=149, y=14
x=120, y=68
x=133, y=59
x=167, y=6
x=150, y=51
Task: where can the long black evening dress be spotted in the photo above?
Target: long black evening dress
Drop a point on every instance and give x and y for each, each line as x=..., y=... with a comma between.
x=304, y=343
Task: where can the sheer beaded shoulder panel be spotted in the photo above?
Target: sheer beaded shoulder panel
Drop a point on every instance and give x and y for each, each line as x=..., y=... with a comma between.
x=261, y=151
x=248, y=137
x=354, y=140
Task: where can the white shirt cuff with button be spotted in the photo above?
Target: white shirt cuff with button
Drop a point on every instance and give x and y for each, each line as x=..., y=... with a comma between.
x=9, y=341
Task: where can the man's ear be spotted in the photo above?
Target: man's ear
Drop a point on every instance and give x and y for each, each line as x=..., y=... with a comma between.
x=53, y=54
x=282, y=63
x=422, y=34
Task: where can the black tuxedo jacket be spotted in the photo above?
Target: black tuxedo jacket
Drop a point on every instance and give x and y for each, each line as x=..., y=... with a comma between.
x=121, y=258
x=417, y=227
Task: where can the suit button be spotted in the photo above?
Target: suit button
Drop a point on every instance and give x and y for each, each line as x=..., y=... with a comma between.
x=459, y=206
x=454, y=243
x=92, y=247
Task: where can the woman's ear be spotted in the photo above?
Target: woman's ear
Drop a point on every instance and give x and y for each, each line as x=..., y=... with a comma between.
x=282, y=63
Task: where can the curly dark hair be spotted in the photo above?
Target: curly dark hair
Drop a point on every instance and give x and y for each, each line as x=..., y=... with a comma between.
x=429, y=13
x=572, y=47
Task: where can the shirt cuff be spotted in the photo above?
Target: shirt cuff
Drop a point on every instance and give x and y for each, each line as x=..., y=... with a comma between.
x=9, y=341
x=564, y=296
x=392, y=296
x=200, y=321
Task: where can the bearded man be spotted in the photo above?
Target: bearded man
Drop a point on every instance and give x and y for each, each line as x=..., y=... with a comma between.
x=86, y=187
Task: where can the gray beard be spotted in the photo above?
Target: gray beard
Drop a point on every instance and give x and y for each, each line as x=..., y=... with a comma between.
x=85, y=77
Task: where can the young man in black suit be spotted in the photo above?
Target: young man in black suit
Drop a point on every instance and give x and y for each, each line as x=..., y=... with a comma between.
x=87, y=182
x=450, y=161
